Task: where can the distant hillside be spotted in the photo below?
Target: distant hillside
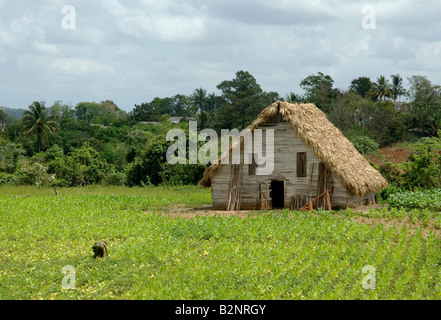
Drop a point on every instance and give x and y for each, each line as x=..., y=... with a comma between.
x=13, y=113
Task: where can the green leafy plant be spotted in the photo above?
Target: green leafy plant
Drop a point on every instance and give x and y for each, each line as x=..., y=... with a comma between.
x=269, y=255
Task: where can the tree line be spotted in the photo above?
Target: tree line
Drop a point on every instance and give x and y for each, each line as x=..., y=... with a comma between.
x=92, y=143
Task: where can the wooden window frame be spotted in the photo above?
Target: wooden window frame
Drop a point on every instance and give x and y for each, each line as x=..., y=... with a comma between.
x=301, y=164
x=252, y=166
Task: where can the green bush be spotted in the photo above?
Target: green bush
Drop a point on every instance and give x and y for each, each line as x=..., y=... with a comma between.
x=393, y=173
x=422, y=170
x=94, y=168
x=83, y=166
x=7, y=179
x=147, y=167
x=10, y=154
x=181, y=174
x=35, y=174
x=115, y=179
x=364, y=144
x=389, y=190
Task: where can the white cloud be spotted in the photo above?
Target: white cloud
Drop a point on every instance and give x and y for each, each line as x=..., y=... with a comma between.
x=430, y=50
x=163, y=28
x=159, y=20
x=22, y=27
x=428, y=56
x=6, y=39
x=114, y=7
x=356, y=49
x=45, y=48
x=139, y=49
x=81, y=66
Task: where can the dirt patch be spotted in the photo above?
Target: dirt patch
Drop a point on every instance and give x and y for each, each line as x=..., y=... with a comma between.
x=190, y=213
x=365, y=209
x=392, y=154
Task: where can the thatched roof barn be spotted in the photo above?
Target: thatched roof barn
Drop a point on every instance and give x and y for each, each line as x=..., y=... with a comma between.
x=311, y=157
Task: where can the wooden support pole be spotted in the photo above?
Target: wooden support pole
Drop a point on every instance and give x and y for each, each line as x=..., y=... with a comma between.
x=328, y=199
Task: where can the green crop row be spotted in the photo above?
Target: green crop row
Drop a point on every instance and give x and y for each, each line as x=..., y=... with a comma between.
x=272, y=255
x=428, y=199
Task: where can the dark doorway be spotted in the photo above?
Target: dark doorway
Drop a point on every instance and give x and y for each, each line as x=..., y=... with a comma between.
x=278, y=194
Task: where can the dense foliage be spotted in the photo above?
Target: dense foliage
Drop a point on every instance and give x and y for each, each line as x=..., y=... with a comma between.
x=422, y=170
x=98, y=143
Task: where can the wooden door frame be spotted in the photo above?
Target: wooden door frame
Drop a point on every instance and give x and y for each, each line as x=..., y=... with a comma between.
x=265, y=200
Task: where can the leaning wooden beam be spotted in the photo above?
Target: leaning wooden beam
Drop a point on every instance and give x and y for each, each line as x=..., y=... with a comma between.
x=328, y=199
x=308, y=206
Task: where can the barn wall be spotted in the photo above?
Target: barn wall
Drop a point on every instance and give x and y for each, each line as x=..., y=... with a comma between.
x=367, y=199
x=219, y=187
x=343, y=199
x=286, y=146
x=340, y=196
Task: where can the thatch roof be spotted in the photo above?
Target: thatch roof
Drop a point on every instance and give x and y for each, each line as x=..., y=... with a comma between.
x=328, y=143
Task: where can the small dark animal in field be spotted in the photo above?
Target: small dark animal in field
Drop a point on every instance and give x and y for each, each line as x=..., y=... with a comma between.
x=99, y=248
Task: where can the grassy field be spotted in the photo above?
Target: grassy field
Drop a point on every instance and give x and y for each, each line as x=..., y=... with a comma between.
x=267, y=255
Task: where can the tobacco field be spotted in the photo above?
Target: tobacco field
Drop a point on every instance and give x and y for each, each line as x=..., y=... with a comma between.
x=154, y=254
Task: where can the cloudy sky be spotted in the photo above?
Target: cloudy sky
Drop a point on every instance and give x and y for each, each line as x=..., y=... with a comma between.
x=131, y=51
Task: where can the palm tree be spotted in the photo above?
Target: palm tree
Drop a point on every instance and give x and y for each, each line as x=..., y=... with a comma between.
x=292, y=97
x=199, y=97
x=212, y=103
x=36, y=121
x=381, y=89
x=397, y=87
